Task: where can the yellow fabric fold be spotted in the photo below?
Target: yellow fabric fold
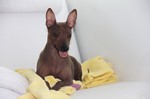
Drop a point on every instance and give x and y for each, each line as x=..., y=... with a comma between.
x=67, y=89
x=95, y=72
x=38, y=88
x=27, y=96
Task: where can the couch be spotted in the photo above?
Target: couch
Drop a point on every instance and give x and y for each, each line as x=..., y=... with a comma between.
x=22, y=37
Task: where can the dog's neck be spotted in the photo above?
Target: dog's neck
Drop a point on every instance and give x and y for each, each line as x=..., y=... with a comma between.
x=50, y=48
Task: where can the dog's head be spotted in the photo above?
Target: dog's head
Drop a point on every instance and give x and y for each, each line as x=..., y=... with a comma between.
x=59, y=34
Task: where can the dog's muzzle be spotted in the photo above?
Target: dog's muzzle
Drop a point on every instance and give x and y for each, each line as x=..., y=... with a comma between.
x=63, y=52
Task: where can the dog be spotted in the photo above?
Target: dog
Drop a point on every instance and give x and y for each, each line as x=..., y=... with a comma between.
x=54, y=59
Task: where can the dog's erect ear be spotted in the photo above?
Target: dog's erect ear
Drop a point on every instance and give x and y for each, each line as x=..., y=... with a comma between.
x=50, y=18
x=71, y=20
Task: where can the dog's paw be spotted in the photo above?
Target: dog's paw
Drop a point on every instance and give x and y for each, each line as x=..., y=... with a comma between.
x=76, y=86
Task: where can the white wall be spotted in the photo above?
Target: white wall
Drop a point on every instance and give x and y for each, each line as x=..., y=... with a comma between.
x=118, y=30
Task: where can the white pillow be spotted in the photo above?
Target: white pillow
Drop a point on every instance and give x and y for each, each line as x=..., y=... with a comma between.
x=8, y=94
x=13, y=81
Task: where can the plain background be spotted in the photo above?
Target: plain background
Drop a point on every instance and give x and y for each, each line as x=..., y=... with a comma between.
x=119, y=31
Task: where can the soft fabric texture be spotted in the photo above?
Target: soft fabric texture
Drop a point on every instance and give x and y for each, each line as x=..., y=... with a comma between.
x=38, y=88
x=96, y=71
x=118, y=90
x=8, y=94
x=12, y=81
x=69, y=90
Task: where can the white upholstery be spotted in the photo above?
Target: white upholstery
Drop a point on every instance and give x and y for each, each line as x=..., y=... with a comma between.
x=30, y=5
x=8, y=94
x=13, y=81
x=23, y=35
x=121, y=90
x=118, y=30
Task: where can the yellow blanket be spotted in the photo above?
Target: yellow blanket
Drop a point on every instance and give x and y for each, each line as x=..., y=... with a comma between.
x=96, y=71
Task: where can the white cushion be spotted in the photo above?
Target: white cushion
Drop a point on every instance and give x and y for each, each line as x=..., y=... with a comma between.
x=8, y=94
x=12, y=81
x=121, y=90
x=30, y=5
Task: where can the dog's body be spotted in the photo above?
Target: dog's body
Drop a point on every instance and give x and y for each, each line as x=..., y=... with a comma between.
x=54, y=59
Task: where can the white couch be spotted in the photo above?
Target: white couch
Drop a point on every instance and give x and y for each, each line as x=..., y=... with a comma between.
x=22, y=37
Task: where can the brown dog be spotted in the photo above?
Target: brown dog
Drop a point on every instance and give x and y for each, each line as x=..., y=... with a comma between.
x=54, y=59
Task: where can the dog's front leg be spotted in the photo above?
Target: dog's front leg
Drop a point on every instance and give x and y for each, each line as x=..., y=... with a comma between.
x=60, y=84
x=77, y=69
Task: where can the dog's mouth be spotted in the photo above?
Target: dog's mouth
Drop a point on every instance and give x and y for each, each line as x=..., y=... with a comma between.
x=63, y=54
x=62, y=51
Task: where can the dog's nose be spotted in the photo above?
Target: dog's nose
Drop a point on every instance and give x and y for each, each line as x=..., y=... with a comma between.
x=64, y=48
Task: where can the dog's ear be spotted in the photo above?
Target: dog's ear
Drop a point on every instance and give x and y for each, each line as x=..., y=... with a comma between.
x=50, y=18
x=71, y=20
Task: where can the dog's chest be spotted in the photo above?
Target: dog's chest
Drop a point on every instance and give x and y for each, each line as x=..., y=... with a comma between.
x=62, y=69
